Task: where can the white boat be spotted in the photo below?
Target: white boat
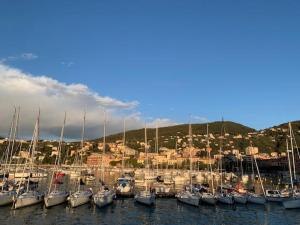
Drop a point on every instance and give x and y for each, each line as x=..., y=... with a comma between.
x=90, y=178
x=150, y=177
x=239, y=198
x=168, y=178
x=145, y=197
x=6, y=197
x=124, y=187
x=104, y=197
x=256, y=199
x=275, y=196
x=79, y=198
x=28, y=198
x=200, y=178
x=56, y=198
x=21, y=174
x=225, y=198
x=179, y=180
x=189, y=198
x=75, y=174
x=245, y=179
x=208, y=198
x=293, y=203
x=139, y=176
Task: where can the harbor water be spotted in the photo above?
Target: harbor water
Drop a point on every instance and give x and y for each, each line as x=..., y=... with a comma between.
x=127, y=211
x=165, y=211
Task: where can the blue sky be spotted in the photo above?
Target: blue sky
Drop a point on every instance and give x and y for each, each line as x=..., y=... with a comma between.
x=236, y=59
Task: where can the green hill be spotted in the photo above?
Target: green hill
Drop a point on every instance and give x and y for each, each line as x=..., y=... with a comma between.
x=169, y=135
x=182, y=130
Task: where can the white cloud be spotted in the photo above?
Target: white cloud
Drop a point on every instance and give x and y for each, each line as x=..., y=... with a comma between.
x=23, y=56
x=67, y=64
x=162, y=122
x=28, y=56
x=198, y=119
x=53, y=97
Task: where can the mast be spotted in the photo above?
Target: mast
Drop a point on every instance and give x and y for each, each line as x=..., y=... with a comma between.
x=61, y=140
x=34, y=144
x=156, y=146
x=190, y=148
x=27, y=159
x=261, y=183
x=82, y=145
x=220, y=152
x=16, y=127
x=146, y=152
x=146, y=148
x=289, y=163
x=8, y=148
x=292, y=150
x=58, y=156
x=209, y=159
x=10, y=137
x=104, y=146
x=124, y=145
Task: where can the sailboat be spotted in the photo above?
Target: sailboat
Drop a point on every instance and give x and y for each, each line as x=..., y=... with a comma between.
x=294, y=202
x=30, y=196
x=239, y=196
x=188, y=196
x=7, y=195
x=80, y=197
x=56, y=197
x=146, y=197
x=209, y=197
x=125, y=186
x=223, y=197
x=253, y=197
x=104, y=196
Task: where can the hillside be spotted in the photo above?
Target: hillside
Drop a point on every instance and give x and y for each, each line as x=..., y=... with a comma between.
x=168, y=136
x=238, y=136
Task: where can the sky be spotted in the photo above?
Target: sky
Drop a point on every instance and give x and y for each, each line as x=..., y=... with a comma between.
x=148, y=61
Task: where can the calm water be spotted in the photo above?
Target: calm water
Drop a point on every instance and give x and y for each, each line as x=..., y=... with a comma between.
x=166, y=211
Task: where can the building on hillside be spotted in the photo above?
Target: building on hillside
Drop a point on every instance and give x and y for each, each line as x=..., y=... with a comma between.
x=251, y=150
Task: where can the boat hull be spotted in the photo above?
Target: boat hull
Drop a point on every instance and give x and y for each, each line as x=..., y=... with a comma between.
x=189, y=200
x=225, y=200
x=275, y=199
x=55, y=200
x=145, y=200
x=256, y=200
x=291, y=204
x=240, y=199
x=103, y=201
x=76, y=201
x=27, y=201
x=209, y=200
x=6, y=198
